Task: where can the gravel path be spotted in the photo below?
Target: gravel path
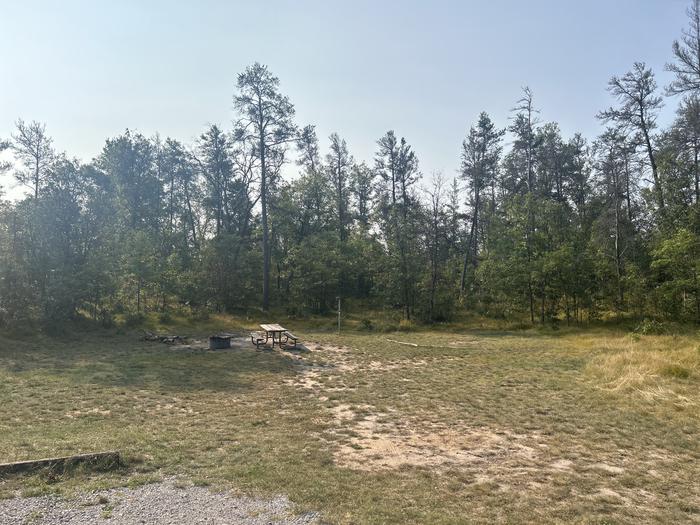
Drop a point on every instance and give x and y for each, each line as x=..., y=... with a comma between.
x=158, y=504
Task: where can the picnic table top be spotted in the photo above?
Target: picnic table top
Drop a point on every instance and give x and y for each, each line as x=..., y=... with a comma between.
x=273, y=328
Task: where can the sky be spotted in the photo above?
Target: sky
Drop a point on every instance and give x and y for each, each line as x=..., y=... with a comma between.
x=426, y=69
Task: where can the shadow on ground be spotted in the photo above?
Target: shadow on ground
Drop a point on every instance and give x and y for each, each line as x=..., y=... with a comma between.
x=128, y=361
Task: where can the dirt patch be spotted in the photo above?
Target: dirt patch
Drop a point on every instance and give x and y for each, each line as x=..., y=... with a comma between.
x=562, y=465
x=343, y=413
x=308, y=377
x=341, y=361
x=309, y=373
x=386, y=366
x=376, y=442
x=95, y=411
x=608, y=468
x=609, y=494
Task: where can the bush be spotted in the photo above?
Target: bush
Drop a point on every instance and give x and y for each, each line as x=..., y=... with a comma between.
x=366, y=324
x=518, y=325
x=294, y=310
x=134, y=319
x=388, y=327
x=650, y=327
x=405, y=325
x=106, y=318
x=118, y=308
x=201, y=314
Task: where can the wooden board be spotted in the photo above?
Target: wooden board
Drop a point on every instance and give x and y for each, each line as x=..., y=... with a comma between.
x=26, y=466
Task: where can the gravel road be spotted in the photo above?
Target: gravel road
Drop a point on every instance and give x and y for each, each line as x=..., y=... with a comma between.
x=158, y=504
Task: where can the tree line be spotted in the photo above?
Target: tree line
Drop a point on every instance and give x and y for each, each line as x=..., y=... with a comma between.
x=536, y=224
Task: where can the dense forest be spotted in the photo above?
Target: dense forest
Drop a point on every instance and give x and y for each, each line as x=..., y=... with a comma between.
x=258, y=215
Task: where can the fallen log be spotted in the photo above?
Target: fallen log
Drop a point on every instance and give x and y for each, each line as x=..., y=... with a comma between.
x=106, y=460
x=402, y=342
x=430, y=346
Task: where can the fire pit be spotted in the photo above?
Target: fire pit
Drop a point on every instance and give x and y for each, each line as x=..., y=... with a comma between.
x=220, y=341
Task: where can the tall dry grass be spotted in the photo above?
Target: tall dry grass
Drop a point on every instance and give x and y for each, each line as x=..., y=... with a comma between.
x=655, y=368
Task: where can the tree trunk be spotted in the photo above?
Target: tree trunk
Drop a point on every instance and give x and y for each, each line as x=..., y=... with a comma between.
x=473, y=229
x=658, y=190
x=406, y=283
x=532, y=301
x=696, y=287
x=341, y=214
x=628, y=191
x=542, y=306
x=530, y=215
x=434, y=269
x=190, y=215
x=265, y=226
x=171, y=204
x=618, y=252
x=464, y=268
x=36, y=176
x=138, y=296
x=696, y=147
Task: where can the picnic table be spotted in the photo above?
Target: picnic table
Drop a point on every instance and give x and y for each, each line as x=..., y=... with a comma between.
x=276, y=332
x=272, y=330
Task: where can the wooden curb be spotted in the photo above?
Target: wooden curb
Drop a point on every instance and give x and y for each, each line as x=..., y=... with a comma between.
x=18, y=467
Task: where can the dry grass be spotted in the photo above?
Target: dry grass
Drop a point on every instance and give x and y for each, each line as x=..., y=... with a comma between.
x=660, y=369
x=467, y=426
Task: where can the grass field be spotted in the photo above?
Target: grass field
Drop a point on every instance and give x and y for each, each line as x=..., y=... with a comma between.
x=479, y=426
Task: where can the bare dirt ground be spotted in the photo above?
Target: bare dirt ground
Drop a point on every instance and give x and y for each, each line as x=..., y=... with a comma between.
x=378, y=443
x=379, y=440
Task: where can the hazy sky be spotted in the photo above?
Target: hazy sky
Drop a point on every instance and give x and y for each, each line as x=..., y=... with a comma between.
x=90, y=69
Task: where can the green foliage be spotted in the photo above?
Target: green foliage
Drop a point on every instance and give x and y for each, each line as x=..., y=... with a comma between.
x=134, y=319
x=551, y=228
x=676, y=263
x=650, y=327
x=230, y=269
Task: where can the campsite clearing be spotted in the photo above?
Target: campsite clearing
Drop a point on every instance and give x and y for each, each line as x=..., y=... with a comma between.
x=479, y=426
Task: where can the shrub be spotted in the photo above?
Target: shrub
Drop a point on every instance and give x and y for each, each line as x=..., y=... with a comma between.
x=200, y=314
x=294, y=310
x=405, y=325
x=134, y=319
x=650, y=327
x=388, y=327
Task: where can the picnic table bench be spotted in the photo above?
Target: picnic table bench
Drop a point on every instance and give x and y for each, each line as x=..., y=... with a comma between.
x=289, y=335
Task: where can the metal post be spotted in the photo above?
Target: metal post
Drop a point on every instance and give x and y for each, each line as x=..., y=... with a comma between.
x=338, y=315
